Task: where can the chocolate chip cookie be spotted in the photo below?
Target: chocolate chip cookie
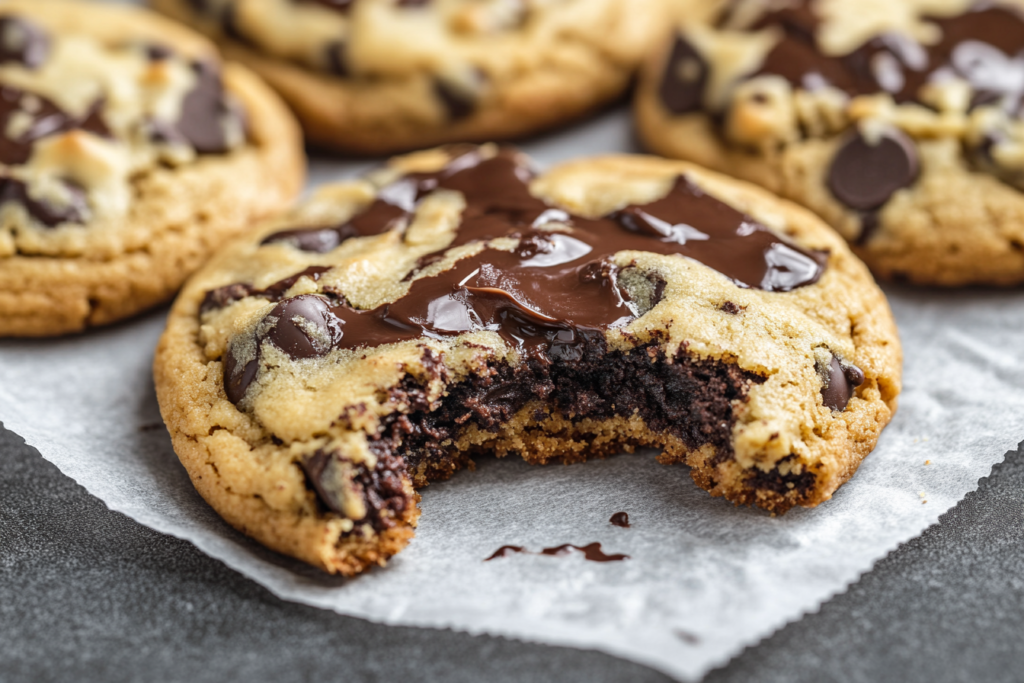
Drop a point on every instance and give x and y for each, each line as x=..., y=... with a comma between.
x=378, y=76
x=898, y=122
x=454, y=303
x=128, y=152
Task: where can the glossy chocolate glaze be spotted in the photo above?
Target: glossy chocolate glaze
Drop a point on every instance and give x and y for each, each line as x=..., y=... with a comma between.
x=984, y=46
x=556, y=289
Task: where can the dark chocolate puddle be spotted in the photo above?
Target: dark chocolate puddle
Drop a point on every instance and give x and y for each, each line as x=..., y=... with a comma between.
x=591, y=552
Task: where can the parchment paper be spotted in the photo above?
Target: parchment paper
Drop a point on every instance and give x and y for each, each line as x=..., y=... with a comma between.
x=705, y=578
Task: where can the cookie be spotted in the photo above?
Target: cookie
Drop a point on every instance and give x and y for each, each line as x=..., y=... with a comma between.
x=453, y=303
x=897, y=122
x=380, y=76
x=128, y=152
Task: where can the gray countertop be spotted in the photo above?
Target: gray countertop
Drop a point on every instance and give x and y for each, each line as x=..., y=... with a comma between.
x=87, y=594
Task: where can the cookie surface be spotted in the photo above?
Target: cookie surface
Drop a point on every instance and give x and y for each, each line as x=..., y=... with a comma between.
x=128, y=152
x=376, y=76
x=898, y=122
x=453, y=303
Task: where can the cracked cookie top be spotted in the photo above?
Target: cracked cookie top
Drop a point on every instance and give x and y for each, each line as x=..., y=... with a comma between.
x=85, y=113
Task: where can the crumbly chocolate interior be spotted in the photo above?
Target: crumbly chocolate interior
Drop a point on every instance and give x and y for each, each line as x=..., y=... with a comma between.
x=688, y=398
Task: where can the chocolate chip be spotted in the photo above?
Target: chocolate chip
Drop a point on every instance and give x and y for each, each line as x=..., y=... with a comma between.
x=22, y=41
x=323, y=471
x=686, y=75
x=863, y=176
x=836, y=394
x=458, y=103
x=730, y=308
x=206, y=111
x=45, y=119
x=305, y=327
x=76, y=210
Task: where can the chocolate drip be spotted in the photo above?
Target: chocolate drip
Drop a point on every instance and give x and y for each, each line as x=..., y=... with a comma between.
x=22, y=41
x=620, y=519
x=45, y=119
x=591, y=552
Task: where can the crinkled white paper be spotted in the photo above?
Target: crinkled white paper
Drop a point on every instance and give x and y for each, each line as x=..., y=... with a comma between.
x=705, y=578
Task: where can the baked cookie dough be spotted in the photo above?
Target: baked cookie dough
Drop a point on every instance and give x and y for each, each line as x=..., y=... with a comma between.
x=128, y=152
x=898, y=121
x=380, y=76
x=453, y=303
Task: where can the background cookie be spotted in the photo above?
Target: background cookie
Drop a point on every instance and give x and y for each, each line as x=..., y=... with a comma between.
x=375, y=76
x=898, y=122
x=384, y=332
x=127, y=154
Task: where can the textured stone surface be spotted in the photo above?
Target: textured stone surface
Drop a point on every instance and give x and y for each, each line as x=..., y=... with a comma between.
x=87, y=594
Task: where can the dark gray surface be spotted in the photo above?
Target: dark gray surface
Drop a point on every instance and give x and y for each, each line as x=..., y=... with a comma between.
x=87, y=594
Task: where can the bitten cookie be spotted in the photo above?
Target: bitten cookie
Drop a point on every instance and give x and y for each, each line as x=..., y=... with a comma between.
x=316, y=372
x=899, y=122
x=128, y=153
x=378, y=76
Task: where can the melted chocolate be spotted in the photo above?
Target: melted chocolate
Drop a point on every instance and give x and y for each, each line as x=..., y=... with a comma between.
x=985, y=46
x=45, y=119
x=457, y=104
x=555, y=291
x=620, y=519
x=842, y=381
x=591, y=552
x=23, y=42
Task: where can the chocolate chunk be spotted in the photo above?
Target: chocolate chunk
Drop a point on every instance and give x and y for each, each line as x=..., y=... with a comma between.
x=620, y=519
x=459, y=102
x=842, y=382
x=686, y=76
x=337, y=62
x=23, y=42
x=325, y=471
x=158, y=52
x=380, y=490
x=76, y=210
x=238, y=376
x=863, y=176
x=305, y=326
x=206, y=112
x=730, y=308
x=44, y=119
x=315, y=240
